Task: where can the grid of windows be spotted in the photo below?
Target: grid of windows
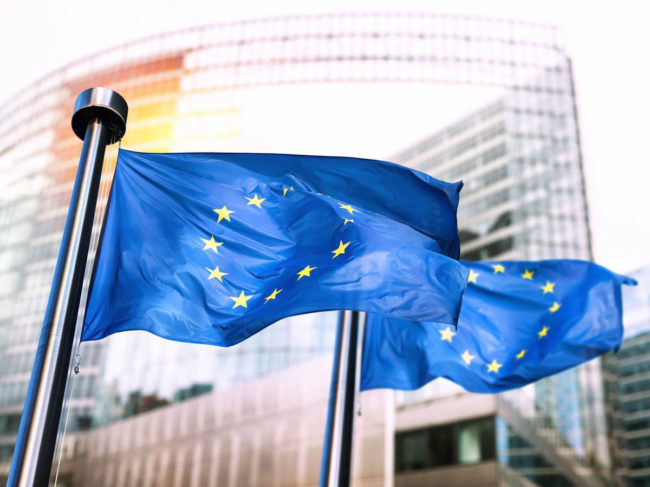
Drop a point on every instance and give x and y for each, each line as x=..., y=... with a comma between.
x=520, y=455
x=461, y=443
x=628, y=388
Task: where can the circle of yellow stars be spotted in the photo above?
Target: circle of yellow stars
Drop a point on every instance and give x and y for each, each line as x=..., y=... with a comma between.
x=211, y=244
x=529, y=275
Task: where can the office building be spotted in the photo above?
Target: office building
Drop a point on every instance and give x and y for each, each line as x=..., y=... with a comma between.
x=256, y=433
x=523, y=199
x=263, y=433
x=628, y=389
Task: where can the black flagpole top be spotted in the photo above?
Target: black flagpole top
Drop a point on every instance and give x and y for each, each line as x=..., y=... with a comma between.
x=102, y=104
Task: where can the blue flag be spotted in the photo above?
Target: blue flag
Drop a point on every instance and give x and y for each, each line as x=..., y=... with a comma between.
x=211, y=248
x=519, y=322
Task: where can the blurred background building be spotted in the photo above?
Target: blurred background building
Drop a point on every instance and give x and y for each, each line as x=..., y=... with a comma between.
x=524, y=199
x=627, y=375
x=491, y=102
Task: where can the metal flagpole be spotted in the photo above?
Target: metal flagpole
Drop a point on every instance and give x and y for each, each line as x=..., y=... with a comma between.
x=99, y=119
x=336, y=463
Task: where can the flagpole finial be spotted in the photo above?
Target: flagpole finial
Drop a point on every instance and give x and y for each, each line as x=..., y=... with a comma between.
x=102, y=104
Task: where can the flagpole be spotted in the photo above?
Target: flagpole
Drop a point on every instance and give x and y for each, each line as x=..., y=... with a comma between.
x=99, y=119
x=336, y=463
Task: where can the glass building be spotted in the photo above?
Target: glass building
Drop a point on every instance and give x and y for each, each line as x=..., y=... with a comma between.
x=351, y=84
x=628, y=389
x=524, y=199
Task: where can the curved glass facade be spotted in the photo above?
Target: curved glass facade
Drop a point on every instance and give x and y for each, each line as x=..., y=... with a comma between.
x=354, y=84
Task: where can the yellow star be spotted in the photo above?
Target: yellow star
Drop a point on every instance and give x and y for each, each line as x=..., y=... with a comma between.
x=467, y=357
x=555, y=307
x=472, y=276
x=223, y=213
x=216, y=274
x=341, y=249
x=211, y=244
x=241, y=300
x=494, y=367
x=305, y=272
x=284, y=190
x=521, y=354
x=255, y=201
x=272, y=295
x=543, y=333
x=347, y=207
x=446, y=334
x=346, y=221
x=498, y=268
x=528, y=274
x=548, y=288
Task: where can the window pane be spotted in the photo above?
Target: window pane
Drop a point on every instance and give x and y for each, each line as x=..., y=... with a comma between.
x=411, y=452
x=469, y=443
x=442, y=445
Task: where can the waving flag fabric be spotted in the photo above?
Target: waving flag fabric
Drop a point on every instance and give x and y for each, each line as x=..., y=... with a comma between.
x=211, y=248
x=519, y=322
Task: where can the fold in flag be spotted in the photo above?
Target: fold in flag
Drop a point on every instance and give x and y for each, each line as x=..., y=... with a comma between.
x=519, y=322
x=211, y=248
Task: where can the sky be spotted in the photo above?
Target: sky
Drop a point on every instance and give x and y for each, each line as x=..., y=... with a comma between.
x=608, y=43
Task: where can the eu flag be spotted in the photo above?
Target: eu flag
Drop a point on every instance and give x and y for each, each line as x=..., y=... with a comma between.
x=211, y=248
x=519, y=322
